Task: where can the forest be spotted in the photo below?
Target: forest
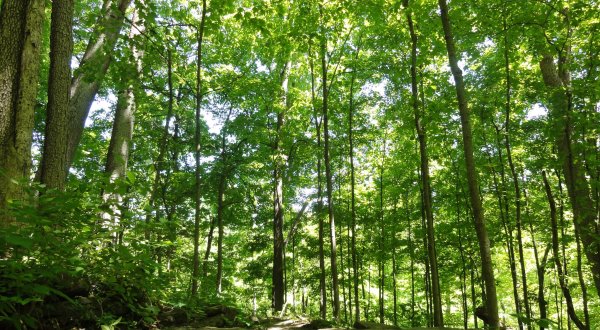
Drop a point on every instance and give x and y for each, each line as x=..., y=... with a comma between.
x=376, y=164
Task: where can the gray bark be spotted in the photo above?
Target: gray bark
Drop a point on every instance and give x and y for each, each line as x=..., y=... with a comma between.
x=92, y=69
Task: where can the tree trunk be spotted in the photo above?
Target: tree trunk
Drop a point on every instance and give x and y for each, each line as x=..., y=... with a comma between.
x=122, y=130
x=565, y=289
x=382, y=247
x=92, y=69
x=54, y=157
x=584, y=213
x=438, y=320
x=197, y=187
x=513, y=171
x=501, y=196
x=21, y=27
x=353, y=192
x=584, y=294
x=209, y=240
x=278, y=164
x=487, y=268
x=328, y=174
x=322, y=288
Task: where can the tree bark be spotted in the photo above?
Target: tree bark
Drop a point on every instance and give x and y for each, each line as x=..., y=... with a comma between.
x=487, y=268
x=54, y=157
x=197, y=187
x=21, y=25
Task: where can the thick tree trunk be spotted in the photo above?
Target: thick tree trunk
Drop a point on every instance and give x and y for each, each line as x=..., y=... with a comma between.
x=54, y=157
x=197, y=146
x=561, y=278
x=92, y=69
x=584, y=212
x=122, y=130
x=13, y=16
x=328, y=174
x=438, y=320
x=20, y=46
x=487, y=268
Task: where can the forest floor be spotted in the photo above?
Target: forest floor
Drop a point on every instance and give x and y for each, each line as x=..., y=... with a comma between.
x=300, y=324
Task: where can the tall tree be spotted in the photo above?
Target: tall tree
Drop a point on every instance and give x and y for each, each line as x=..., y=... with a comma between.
x=353, y=189
x=122, y=130
x=328, y=174
x=487, y=268
x=278, y=210
x=438, y=320
x=558, y=84
x=563, y=285
x=197, y=186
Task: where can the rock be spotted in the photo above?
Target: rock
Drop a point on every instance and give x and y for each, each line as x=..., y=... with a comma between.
x=317, y=324
x=372, y=325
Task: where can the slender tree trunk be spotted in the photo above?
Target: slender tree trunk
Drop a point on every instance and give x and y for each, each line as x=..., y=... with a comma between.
x=541, y=272
x=92, y=69
x=508, y=231
x=353, y=192
x=394, y=283
x=163, y=146
x=412, y=261
x=487, y=268
x=54, y=157
x=220, y=230
x=328, y=174
x=322, y=288
x=473, y=293
x=382, y=246
x=278, y=164
x=565, y=289
x=425, y=177
x=513, y=171
x=21, y=24
x=209, y=240
x=584, y=293
x=584, y=212
x=197, y=146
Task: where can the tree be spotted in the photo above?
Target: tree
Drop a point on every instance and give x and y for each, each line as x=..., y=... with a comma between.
x=197, y=187
x=92, y=69
x=487, y=268
x=328, y=174
x=425, y=177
